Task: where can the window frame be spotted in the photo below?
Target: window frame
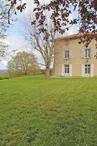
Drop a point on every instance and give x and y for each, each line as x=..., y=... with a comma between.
x=67, y=68
x=87, y=68
x=67, y=54
x=87, y=53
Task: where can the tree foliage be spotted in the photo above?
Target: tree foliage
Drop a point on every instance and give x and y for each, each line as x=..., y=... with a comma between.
x=23, y=64
x=3, y=27
x=15, y=5
x=61, y=10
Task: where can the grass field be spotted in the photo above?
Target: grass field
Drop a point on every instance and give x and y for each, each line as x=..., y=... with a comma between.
x=35, y=111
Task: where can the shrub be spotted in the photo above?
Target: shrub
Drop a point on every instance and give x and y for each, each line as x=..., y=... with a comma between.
x=3, y=78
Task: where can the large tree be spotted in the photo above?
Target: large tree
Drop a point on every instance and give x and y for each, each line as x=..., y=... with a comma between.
x=23, y=63
x=42, y=42
x=3, y=26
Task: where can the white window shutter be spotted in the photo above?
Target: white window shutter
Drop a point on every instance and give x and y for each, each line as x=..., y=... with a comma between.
x=70, y=68
x=83, y=70
x=92, y=70
x=63, y=70
x=92, y=52
x=70, y=53
x=82, y=53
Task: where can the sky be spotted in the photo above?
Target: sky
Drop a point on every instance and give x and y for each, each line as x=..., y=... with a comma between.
x=15, y=39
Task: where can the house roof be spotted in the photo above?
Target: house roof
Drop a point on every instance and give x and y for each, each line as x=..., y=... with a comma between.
x=75, y=36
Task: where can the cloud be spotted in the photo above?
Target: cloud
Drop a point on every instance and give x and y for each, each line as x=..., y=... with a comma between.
x=3, y=65
x=15, y=42
x=4, y=62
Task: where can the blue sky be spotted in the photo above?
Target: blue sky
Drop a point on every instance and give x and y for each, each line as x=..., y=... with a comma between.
x=15, y=39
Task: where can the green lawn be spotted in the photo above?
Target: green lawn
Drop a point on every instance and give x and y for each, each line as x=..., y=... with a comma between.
x=35, y=111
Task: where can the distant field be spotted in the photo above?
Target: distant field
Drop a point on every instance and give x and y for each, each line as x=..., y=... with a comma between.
x=4, y=74
x=35, y=111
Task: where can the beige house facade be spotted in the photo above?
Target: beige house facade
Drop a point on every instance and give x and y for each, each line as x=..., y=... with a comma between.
x=73, y=59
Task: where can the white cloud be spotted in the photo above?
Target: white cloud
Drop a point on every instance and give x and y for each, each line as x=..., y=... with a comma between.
x=15, y=42
x=3, y=64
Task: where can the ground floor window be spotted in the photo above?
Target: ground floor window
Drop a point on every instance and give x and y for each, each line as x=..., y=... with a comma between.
x=67, y=69
x=87, y=68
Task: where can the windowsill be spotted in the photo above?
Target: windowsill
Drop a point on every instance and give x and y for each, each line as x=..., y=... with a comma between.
x=67, y=58
x=87, y=57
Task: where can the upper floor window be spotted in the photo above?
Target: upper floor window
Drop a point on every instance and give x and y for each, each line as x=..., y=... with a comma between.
x=87, y=53
x=67, y=54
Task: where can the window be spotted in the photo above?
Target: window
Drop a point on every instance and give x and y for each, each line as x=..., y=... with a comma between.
x=67, y=70
x=67, y=54
x=87, y=68
x=87, y=53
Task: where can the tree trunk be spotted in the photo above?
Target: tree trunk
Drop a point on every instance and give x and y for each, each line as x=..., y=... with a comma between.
x=47, y=72
x=25, y=72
